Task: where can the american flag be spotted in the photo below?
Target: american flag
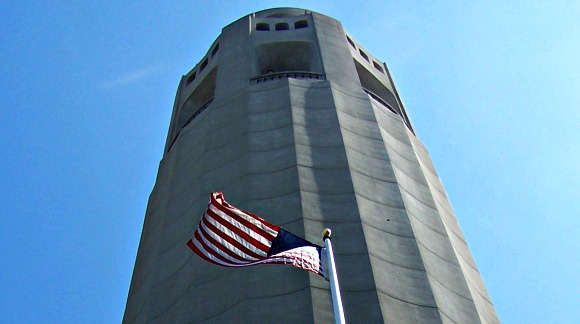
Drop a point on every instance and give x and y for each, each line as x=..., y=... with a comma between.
x=230, y=237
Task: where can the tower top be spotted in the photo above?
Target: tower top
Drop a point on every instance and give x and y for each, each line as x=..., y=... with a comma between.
x=281, y=12
x=295, y=120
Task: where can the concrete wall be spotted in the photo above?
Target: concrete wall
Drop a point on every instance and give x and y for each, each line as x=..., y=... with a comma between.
x=305, y=151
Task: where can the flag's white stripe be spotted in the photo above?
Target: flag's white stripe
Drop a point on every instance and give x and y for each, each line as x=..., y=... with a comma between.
x=293, y=262
x=226, y=244
x=300, y=255
x=301, y=262
x=235, y=236
x=248, y=218
x=304, y=251
x=221, y=251
x=297, y=257
x=256, y=235
x=210, y=255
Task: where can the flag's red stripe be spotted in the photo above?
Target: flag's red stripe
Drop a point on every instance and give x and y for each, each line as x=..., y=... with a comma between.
x=206, y=258
x=239, y=232
x=234, y=213
x=267, y=234
x=201, y=254
x=269, y=225
x=250, y=244
x=230, y=240
x=226, y=205
x=290, y=260
x=227, y=208
x=211, y=251
x=246, y=248
x=192, y=246
x=219, y=246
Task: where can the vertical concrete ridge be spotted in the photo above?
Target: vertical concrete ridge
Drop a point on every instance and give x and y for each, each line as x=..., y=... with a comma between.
x=394, y=255
x=439, y=264
x=470, y=272
x=169, y=274
x=143, y=279
x=323, y=169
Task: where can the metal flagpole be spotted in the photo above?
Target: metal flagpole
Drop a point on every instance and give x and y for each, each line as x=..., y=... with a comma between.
x=333, y=278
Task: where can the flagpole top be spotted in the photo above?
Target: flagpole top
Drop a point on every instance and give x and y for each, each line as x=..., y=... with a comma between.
x=326, y=233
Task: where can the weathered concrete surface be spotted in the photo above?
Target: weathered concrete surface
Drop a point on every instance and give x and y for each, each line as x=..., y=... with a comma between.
x=306, y=149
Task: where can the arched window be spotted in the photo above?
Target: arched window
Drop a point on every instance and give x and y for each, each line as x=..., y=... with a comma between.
x=300, y=24
x=203, y=65
x=215, y=49
x=363, y=54
x=282, y=26
x=350, y=42
x=378, y=67
x=190, y=79
x=262, y=27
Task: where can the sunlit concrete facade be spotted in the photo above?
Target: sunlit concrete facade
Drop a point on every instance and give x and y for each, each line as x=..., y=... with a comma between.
x=293, y=120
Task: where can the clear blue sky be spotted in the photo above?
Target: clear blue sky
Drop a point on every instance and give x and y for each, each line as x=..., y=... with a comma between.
x=87, y=88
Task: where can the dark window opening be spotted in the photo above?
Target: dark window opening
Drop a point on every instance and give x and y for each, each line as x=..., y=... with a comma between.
x=215, y=49
x=202, y=94
x=203, y=65
x=197, y=102
x=190, y=79
x=282, y=26
x=378, y=67
x=371, y=83
x=286, y=56
x=364, y=55
x=300, y=24
x=350, y=42
x=262, y=27
x=381, y=92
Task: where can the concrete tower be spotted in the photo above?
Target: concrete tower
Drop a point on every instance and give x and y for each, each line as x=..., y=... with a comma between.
x=293, y=120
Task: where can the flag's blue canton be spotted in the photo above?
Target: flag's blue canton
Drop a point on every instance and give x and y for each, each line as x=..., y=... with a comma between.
x=285, y=241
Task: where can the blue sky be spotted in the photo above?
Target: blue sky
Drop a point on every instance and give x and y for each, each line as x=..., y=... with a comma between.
x=87, y=88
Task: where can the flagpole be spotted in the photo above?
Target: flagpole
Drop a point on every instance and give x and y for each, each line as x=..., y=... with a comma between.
x=333, y=278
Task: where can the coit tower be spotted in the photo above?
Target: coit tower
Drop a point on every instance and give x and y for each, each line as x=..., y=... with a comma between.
x=293, y=120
